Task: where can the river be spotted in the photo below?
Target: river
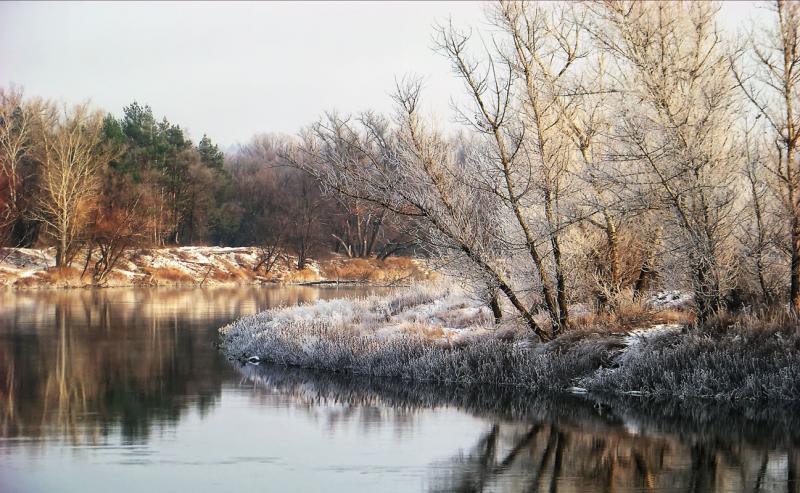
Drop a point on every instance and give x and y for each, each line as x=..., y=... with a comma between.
x=124, y=390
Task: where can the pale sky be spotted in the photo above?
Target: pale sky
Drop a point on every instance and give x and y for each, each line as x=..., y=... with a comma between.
x=235, y=69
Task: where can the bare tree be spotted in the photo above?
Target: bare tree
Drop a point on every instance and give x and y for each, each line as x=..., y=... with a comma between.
x=409, y=169
x=758, y=237
x=115, y=228
x=309, y=209
x=675, y=123
x=18, y=129
x=769, y=76
x=535, y=119
x=647, y=267
x=283, y=209
x=359, y=228
x=72, y=159
x=526, y=106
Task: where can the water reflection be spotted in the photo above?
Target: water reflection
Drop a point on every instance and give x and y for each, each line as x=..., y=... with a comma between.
x=571, y=443
x=128, y=381
x=74, y=364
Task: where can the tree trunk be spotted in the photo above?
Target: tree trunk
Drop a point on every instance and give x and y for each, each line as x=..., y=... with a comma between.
x=707, y=296
x=786, y=25
x=61, y=251
x=561, y=289
x=794, y=288
x=88, y=259
x=509, y=293
x=561, y=282
x=494, y=304
x=762, y=241
x=647, y=270
x=613, y=252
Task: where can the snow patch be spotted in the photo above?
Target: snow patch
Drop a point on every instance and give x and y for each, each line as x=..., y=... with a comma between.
x=670, y=299
x=637, y=337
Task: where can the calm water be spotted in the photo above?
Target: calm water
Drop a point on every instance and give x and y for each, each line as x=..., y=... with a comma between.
x=123, y=390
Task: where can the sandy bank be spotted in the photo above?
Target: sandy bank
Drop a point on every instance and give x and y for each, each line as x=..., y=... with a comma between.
x=25, y=268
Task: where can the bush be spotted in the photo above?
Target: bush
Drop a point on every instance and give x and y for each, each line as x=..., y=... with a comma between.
x=406, y=335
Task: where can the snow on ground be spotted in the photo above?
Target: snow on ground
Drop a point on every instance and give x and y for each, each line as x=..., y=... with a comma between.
x=199, y=265
x=433, y=332
x=27, y=258
x=639, y=336
x=436, y=333
x=436, y=313
x=670, y=299
x=22, y=263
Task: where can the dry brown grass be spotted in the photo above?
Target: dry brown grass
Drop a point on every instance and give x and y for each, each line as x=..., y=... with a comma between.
x=118, y=278
x=630, y=317
x=181, y=265
x=231, y=272
x=674, y=316
x=428, y=332
x=28, y=282
x=393, y=270
x=300, y=276
x=766, y=322
x=171, y=274
x=62, y=274
x=62, y=277
x=347, y=269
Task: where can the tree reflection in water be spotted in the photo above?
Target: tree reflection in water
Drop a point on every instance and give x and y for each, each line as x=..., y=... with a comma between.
x=75, y=364
x=79, y=366
x=576, y=443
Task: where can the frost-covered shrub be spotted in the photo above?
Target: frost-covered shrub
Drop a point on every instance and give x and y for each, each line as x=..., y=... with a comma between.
x=394, y=337
x=738, y=365
x=367, y=337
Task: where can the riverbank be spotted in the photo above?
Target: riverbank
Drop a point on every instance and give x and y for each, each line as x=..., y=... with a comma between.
x=26, y=268
x=438, y=334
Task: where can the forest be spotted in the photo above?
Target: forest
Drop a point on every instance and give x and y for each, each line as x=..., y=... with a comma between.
x=77, y=179
x=605, y=150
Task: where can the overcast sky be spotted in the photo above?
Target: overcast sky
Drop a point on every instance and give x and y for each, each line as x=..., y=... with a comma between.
x=234, y=69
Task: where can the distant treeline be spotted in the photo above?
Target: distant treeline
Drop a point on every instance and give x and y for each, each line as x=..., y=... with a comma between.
x=74, y=177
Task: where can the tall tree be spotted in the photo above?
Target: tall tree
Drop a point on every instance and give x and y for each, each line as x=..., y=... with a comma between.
x=769, y=76
x=210, y=154
x=18, y=137
x=72, y=160
x=409, y=169
x=673, y=65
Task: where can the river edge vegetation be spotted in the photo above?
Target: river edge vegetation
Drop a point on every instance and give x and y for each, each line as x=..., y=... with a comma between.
x=434, y=333
x=605, y=151
x=22, y=268
x=608, y=150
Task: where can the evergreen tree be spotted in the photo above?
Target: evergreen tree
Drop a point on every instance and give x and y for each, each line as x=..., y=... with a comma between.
x=210, y=154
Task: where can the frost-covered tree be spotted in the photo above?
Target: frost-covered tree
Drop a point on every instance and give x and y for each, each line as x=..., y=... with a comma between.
x=407, y=167
x=768, y=73
x=523, y=102
x=676, y=125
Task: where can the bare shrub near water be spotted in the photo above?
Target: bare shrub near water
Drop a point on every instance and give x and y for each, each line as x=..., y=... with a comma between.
x=412, y=335
x=745, y=357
